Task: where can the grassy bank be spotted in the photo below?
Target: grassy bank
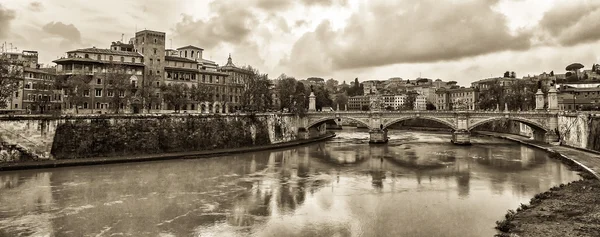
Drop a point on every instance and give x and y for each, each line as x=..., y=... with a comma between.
x=565, y=210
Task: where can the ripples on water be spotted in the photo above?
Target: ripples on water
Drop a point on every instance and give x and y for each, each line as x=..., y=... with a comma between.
x=417, y=185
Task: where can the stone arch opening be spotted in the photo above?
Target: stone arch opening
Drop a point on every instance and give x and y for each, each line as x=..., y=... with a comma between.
x=338, y=119
x=532, y=124
x=443, y=122
x=540, y=131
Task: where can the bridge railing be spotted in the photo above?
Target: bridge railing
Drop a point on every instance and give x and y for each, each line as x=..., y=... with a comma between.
x=532, y=112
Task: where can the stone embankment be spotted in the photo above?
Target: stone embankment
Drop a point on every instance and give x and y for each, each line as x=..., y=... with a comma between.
x=565, y=210
x=155, y=157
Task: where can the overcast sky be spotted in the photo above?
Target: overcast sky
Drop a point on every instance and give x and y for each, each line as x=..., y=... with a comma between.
x=461, y=40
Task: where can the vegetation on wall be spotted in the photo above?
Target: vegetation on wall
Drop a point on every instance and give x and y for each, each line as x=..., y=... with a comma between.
x=102, y=138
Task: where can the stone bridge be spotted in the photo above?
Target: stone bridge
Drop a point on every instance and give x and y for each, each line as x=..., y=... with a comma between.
x=543, y=123
x=543, y=120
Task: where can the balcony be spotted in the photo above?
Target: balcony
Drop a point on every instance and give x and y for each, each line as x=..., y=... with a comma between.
x=78, y=72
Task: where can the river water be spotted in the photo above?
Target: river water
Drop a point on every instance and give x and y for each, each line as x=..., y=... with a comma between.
x=417, y=185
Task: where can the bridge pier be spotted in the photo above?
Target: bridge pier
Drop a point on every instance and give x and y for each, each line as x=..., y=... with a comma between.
x=551, y=137
x=378, y=136
x=461, y=137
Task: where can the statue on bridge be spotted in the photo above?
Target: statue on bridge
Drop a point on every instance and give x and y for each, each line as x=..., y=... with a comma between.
x=376, y=103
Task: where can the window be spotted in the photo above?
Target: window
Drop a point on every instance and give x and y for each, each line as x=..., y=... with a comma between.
x=121, y=93
x=86, y=56
x=133, y=60
x=157, y=84
x=154, y=51
x=157, y=72
x=186, y=53
x=122, y=59
x=110, y=93
x=85, y=105
x=142, y=50
x=192, y=53
x=16, y=106
x=158, y=60
x=151, y=61
x=86, y=93
x=98, y=92
x=99, y=81
x=155, y=41
x=97, y=105
x=28, y=85
x=110, y=58
x=16, y=94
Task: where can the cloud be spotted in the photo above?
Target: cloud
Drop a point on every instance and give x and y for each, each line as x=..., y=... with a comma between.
x=385, y=33
x=324, y=2
x=232, y=23
x=36, y=6
x=272, y=5
x=67, y=32
x=6, y=16
x=571, y=23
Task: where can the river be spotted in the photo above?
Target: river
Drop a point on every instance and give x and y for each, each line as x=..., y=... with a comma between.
x=417, y=185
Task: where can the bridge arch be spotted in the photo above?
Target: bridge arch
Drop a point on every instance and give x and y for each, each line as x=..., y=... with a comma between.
x=534, y=125
x=328, y=118
x=439, y=120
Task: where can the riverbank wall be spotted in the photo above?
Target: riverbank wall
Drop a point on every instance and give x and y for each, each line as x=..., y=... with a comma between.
x=580, y=130
x=75, y=137
x=577, y=130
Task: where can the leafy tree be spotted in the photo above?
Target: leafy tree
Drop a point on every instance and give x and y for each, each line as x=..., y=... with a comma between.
x=41, y=103
x=342, y=100
x=513, y=75
x=201, y=93
x=148, y=92
x=409, y=102
x=491, y=97
x=75, y=87
x=175, y=95
x=551, y=73
x=286, y=88
x=322, y=97
x=507, y=74
x=257, y=96
x=356, y=89
x=331, y=85
x=300, y=95
x=10, y=78
x=430, y=106
x=585, y=76
x=119, y=84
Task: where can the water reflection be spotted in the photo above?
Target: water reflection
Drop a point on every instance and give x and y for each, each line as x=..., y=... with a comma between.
x=418, y=185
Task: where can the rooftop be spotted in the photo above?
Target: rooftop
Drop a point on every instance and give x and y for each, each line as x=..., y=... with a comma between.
x=106, y=51
x=179, y=59
x=190, y=47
